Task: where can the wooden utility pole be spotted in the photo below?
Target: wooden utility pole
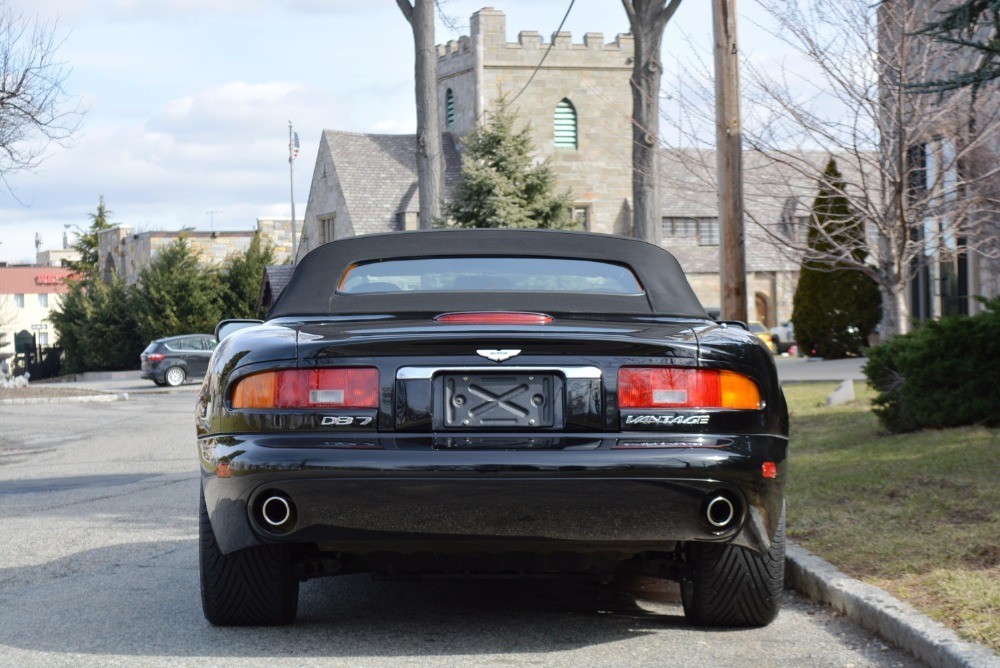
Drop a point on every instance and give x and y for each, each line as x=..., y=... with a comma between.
x=729, y=162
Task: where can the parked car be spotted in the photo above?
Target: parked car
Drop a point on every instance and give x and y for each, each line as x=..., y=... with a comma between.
x=175, y=359
x=760, y=331
x=491, y=403
x=783, y=336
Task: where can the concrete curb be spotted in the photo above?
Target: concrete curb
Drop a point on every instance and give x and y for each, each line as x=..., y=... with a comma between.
x=877, y=611
x=83, y=399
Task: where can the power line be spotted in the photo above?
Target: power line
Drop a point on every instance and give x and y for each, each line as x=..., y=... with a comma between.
x=544, y=56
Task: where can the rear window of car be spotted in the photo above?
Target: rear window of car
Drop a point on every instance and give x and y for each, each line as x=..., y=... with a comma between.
x=490, y=274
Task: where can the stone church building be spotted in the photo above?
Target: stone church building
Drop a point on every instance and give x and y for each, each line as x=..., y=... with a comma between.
x=578, y=107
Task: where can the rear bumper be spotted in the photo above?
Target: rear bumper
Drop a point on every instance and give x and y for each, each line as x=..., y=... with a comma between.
x=393, y=499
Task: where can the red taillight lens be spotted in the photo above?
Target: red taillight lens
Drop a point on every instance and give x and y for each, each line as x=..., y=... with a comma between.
x=309, y=388
x=670, y=387
x=155, y=357
x=494, y=318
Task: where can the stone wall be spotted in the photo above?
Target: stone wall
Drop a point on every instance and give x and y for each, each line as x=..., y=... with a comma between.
x=122, y=252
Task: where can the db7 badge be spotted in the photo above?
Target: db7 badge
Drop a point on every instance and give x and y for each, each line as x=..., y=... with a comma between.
x=346, y=421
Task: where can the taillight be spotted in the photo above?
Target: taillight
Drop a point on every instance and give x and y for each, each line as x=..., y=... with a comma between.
x=671, y=387
x=154, y=357
x=355, y=387
x=494, y=318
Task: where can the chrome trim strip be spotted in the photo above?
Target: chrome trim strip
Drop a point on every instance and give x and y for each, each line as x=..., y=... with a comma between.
x=428, y=372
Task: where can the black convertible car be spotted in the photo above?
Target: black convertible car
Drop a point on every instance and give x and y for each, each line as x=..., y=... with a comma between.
x=491, y=402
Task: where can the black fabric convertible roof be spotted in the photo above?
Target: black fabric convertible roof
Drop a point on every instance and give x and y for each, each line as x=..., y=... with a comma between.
x=312, y=289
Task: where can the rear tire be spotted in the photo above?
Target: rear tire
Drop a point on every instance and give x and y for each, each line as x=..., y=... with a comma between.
x=255, y=586
x=174, y=376
x=734, y=586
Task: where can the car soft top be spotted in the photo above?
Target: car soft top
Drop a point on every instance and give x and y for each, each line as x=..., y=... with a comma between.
x=312, y=289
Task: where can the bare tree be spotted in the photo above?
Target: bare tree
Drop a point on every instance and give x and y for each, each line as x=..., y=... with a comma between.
x=647, y=21
x=430, y=175
x=35, y=109
x=921, y=171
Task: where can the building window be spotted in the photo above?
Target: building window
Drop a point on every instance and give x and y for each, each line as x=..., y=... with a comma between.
x=449, y=107
x=19, y=301
x=43, y=300
x=565, y=125
x=679, y=228
x=43, y=338
x=579, y=215
x=705, y=230
x=327, y=228
x=916, y=159
x=708, y=232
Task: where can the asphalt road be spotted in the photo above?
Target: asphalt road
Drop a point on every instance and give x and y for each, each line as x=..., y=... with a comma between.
x=98, y=566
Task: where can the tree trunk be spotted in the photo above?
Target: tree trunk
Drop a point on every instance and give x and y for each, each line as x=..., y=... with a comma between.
x=647, y=20
x=895, y=313
x=430, y=172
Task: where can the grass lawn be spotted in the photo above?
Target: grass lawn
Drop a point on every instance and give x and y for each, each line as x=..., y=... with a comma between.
x=915, y=514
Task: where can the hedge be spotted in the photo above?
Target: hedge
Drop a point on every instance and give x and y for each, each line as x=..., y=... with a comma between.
x=944, y=374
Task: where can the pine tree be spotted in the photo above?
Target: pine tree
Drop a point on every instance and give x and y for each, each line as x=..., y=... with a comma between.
x=242, y=278
x=86, y=243
x=177, y=295
x=834, y=308
x=502, y=185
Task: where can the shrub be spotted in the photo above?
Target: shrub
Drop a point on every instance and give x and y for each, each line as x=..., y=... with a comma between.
x=941, y=375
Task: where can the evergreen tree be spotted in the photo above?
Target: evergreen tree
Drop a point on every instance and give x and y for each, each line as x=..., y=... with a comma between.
x=834, y=308
x=86, y=243
x=97, y=327
x=501, y=185
x=973, y=25
x=70, y=319
x=177, y=295
x=242, y=278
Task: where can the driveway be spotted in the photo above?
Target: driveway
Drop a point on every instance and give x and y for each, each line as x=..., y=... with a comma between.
x=98, y=566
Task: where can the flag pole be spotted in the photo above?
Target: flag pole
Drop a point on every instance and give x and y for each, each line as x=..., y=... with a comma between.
x=291, y=187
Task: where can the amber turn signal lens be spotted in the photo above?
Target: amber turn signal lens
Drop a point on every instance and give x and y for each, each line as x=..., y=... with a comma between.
x=355, y=387
x=673, y=387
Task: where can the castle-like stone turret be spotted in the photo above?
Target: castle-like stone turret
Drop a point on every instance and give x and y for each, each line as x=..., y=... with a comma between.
x=578, y=106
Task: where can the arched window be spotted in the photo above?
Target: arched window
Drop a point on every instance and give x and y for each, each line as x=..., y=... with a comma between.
x=565, y=124
x=449, y=107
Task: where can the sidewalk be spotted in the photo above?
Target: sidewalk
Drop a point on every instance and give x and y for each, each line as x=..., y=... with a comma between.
x=118, y=382
x=810, y=369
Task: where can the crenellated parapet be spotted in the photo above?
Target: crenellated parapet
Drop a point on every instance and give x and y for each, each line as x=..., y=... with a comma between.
x=487, y=41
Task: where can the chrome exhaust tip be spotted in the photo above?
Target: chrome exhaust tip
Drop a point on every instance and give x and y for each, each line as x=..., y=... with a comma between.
x=277, y=511
x=720, y=512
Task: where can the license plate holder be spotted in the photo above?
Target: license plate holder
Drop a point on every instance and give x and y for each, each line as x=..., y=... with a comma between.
x=499, y=401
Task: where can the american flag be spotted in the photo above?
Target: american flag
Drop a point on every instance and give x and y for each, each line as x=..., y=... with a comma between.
x=294, y=146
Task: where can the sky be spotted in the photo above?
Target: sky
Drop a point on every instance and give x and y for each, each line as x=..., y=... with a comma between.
x=188, y=101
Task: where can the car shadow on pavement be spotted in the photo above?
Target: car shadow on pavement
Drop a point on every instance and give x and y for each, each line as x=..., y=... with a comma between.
x=143, y=599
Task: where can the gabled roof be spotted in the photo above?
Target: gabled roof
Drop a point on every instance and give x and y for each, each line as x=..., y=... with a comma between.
x=276, y=277
x=776, y=187
x=378, y=175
